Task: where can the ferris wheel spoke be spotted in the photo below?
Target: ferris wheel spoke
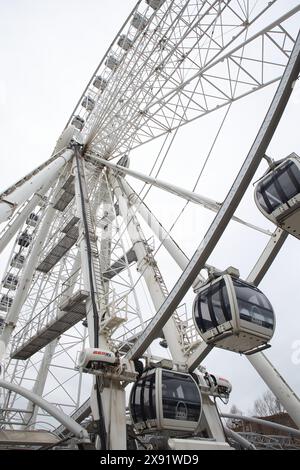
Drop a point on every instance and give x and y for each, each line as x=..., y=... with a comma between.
x=210, y=95
x=145, y=82
x=176, y=190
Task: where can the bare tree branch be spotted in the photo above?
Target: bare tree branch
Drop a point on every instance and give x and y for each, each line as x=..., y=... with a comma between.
x=267, y=405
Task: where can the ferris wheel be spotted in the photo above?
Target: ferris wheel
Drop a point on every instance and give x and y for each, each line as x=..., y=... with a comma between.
x=91, y=304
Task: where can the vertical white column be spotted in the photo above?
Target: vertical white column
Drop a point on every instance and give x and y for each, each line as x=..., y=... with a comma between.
x=108, y=399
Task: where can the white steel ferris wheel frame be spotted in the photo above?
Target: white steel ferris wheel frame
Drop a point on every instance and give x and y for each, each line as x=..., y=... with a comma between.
x=170, y=77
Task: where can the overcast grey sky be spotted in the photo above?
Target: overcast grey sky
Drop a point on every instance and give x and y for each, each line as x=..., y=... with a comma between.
x=48, y=51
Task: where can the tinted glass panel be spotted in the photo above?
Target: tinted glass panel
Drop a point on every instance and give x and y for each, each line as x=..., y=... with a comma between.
x=202, y=315
x=136, y=407
x=142, y=404
x=180, y=397
x=212, y=307
x=149, y=407
x=253, y=305
x=220, y=303
x=279, y=187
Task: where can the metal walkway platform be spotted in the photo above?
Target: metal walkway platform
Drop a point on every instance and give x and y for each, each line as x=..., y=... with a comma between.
x=71, y=232
x=119, y=266
x=67, y=194
x=11, y=439
x=72, y=311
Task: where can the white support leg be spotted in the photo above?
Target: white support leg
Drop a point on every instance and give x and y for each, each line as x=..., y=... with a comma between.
x=145, y=266
x=27, y=275
x=114, y=406
x=175, y=252
x=277, y=385
x=259, y=361
x=129, y=273
x=210, y=418
x=107, y=396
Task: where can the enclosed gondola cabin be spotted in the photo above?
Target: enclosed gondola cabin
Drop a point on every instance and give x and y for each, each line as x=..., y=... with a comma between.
x=25, y=239
x=139, y=21
x=100, y=83
x=17, y=261
x=164, y=400
x=10, y=281
x=78, y=122
x=5, y=303
x=112, y=62
x=277, y=195
x=125, y=42
x=32, y=220
x=88, y=103
x=234, y=315
x=155, y=4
